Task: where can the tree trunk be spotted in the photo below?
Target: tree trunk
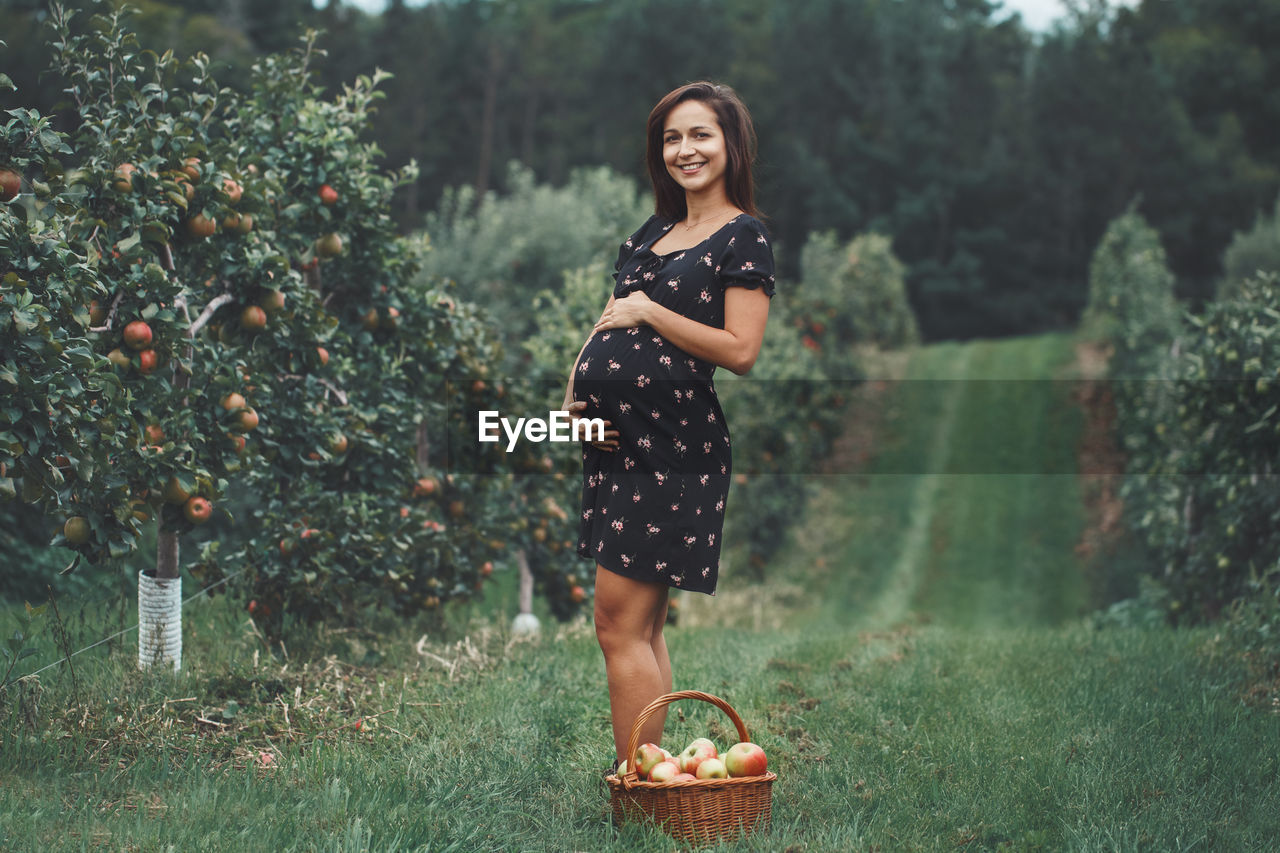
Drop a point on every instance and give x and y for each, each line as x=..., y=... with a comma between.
x=526, y=582
x=423, y=456
x=166, y=552
x=488, y=120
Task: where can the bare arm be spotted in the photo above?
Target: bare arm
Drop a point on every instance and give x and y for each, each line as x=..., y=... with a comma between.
x=734, y=347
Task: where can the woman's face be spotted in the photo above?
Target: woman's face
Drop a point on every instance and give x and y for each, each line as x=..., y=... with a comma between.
x=693, y=146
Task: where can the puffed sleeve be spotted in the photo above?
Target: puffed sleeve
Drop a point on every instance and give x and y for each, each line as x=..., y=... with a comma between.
x=748, y=258
x=628, y=248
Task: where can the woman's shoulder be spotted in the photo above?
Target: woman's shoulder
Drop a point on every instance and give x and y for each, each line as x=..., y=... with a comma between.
x=745, y=233
x=644, y=231
x=748, y=224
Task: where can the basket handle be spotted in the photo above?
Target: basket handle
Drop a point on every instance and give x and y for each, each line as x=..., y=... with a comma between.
x=633, y=742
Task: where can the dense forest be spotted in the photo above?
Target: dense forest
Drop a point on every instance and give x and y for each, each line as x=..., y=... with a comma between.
x=993, y=156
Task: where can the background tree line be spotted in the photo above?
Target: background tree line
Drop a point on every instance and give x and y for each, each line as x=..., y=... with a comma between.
x=992, y=156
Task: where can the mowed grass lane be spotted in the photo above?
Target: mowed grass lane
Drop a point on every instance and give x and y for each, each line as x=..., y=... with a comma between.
x=914, y=669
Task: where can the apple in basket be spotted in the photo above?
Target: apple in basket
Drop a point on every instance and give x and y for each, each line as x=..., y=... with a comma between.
x=685, y=777
x=649, y=756
x=745, y=759
x=664, y=771
x=712, y=768
x=695, y=753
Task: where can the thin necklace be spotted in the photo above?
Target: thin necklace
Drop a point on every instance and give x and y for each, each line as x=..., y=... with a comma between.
x=689, y=228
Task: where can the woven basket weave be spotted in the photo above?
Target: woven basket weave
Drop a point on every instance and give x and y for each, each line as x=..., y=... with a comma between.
x=703, y=812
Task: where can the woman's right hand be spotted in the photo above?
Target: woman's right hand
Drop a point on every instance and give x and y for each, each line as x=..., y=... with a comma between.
x=575, y=410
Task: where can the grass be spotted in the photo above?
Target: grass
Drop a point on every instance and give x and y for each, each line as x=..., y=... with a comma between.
x=919, y=669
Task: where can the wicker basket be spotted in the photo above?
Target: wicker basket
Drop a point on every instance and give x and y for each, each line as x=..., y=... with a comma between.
x=704, y=812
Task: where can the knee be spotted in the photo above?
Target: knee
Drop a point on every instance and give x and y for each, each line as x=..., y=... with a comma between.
x=615, y=631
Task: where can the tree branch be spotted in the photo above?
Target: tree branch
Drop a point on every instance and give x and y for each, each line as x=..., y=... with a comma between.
x=337, y=392
x=111, y=315
x=207, y=314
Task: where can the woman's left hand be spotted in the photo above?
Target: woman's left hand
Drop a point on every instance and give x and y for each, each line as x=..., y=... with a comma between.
x=631, y=310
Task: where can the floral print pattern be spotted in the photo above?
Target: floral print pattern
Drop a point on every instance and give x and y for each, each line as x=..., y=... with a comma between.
x=653, y=510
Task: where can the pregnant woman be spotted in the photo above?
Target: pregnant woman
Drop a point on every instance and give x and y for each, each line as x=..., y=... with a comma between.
x=692, y=293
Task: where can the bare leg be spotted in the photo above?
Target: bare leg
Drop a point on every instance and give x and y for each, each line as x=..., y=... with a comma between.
x=636, y=663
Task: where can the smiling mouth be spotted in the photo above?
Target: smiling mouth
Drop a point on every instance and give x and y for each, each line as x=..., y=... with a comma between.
x=692, y=167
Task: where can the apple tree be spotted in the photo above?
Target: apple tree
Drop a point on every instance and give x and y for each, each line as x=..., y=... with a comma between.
x=212, y=300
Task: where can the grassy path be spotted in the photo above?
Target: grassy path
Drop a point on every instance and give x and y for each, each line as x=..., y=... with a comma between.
x=904, y=578
x=917, y=669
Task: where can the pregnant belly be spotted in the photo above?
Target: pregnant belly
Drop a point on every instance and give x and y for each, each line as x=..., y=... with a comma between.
x=663, y=409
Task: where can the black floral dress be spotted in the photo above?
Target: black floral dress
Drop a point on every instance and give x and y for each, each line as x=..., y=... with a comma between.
x=653, y=509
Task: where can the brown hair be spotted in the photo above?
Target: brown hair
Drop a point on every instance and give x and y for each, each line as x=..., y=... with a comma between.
x=740, y=145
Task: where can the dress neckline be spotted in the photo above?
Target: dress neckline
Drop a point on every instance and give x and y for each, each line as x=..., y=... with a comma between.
x=648, y=247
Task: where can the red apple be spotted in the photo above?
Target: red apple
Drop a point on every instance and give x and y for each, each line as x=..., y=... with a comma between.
x=137, y=335
x=328, y=195
x=201, y=226
x=712, y=768
x=664, y=771
x=253, y=318
x=197, y=510
x=649, y=757
x=324, y=355
x=745, y=759
x=232, y=189
x=233, y=401
x=338, y=444
x=148, y=361
x=685, y=777
x=154, y=434
x=272, y=301
x=248, y=420
x=10, y=184
x=695, y=753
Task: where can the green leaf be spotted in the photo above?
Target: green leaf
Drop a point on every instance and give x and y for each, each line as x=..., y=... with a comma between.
x=27, y=652
x=129, y=242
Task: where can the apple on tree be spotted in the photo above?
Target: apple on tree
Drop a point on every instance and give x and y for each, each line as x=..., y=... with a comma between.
x=137, y=335
x=174, y=493
x=76, y=530
x=201, y=226
x=247, y=421
x=253, y=318
x=197, y=510
x=10, y=184
x=148, y=361
x=123, y=178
